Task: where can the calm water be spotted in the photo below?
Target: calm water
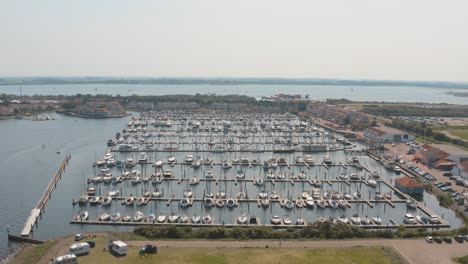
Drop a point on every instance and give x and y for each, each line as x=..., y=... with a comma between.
x=317, y=92
x=27, y=169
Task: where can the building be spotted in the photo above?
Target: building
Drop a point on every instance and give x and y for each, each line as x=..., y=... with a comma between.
x=384, y=134
x=409, y=185
x=443, y=157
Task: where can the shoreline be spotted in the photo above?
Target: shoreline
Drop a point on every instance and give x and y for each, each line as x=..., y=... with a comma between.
x=13, y=252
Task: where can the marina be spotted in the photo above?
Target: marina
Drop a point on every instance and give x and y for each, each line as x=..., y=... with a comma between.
x=226, y=169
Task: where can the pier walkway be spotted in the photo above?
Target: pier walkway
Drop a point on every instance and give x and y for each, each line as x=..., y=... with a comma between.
x=39, y=208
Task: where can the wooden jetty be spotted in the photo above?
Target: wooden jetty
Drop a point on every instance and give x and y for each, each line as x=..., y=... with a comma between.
x=39, y=208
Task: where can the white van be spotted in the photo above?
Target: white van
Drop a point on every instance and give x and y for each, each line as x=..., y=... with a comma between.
x=66, y=259
x=79, y=249
x=119, y=247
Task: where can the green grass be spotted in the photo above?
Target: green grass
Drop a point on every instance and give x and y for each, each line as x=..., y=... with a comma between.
x=32, y=254
x=460, y=133
x=244, y=255
x=462, y=260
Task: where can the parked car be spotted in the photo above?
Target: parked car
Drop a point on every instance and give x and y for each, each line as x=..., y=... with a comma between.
x=465, y=237
x=459, y=239
x=429, y=239
x=447, y=240
x=438, y=240
x=79, y=237
x=447, y=174
x=91, y=243
x=148, y=249
x=455, y=194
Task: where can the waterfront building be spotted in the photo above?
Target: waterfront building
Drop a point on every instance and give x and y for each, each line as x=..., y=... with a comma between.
x=384, y=134
x=409, y=185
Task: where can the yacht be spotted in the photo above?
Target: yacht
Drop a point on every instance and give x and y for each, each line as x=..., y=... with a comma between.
x=327, y=160
x=171, y=159
x=299, y=160
x=372, y=182
x=167, y=173
x=196, y=219
x=138, y=217
x=343, y=219
x=115, y=216
x=287, y=220
x=158, y=163
x=206, y=219
x=240, y=175
x=173, y=218
x=300, y=221
x=106, y=200
x=143, y=158
x=104, y=217
x=409, y=219
x=376, y=220
x=309, y=160
x=241, y=220
x=162, y=218
x=150, y=218
x=209, y=175
x=275, y=220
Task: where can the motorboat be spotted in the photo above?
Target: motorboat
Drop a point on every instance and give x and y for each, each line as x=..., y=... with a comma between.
x=226, y=165
x=375, y=174
x=365, y=221
x=189, y=159
x=354, y=176
x=162, y=218
x=171, y=159
x=288, y=204
x=281, y=176
x=372, y=182
x=156, y=194
x=287, y=220
x=194, y=181
x=184, y=202
x=209, y=175
x=321, y=203
x=113, y=193
x=343, y=176
x=333, y=204
x=411, y=204
x=173, y=218
x=241, y=195
x=309, y=160
x=409, y=219
x=327, y=160
x=300, y=221
x=127, y=218
x=115, y=216
x=141, y=201
x=150, y=218
x=207, y=161
x=376, y=220
x=129, y=200
x=299, y=161
x=196, y=163
x=206, y=219
x=106, y=200
x=230, y=203
x=82, y=216
x=208, y=202
x=320, y=219
x=167, y=173
x=242, y=220
x=95, y=200
x=355, y=220
x=265, y=202
x=317, y=182
x=309, y=201
x=138, y=217
x=397, y=169
x=343, y=219
x=158, y=163
x=219, y=203
x=302, y=175
x=263, y=195
x=195, y=219
x=184, y=219
x=434, y=219
x=274, y=195
x=104, y=217
x=240, y=175
x=275, y=220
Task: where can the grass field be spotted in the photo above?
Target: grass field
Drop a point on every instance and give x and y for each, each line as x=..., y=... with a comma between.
x=460, y=133
x=245, y=255
x=32, y=254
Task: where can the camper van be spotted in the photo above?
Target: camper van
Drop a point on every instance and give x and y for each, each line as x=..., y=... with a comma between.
x=66, y=259
x=79, y=249
x=119, y=247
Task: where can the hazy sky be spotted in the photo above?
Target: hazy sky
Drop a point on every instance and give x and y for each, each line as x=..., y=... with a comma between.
x=374, y=39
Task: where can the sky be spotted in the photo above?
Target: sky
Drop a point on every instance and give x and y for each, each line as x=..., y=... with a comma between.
x=343, y=39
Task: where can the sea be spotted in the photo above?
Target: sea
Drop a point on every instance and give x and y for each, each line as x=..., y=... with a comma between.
x=315, y=92
x=31, y=151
